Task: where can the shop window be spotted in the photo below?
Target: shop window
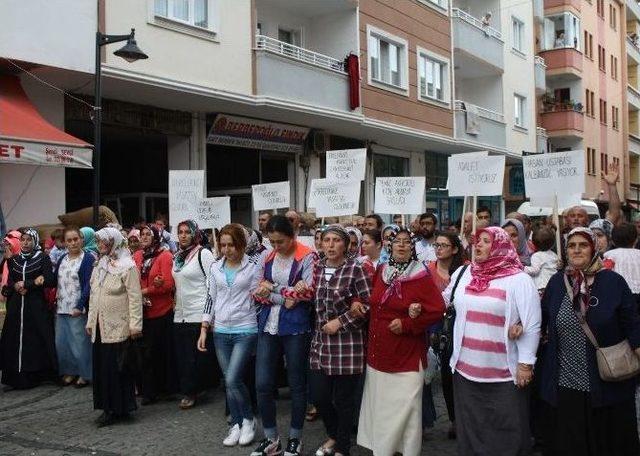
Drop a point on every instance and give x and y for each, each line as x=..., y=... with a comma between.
x=433, y=76
x=387, y=59
x=561, y=31
x=190, y=12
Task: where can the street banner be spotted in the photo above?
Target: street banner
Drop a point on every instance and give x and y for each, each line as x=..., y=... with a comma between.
x=475, y=175
x=557, y=173
x=399, y=195
x=271, y=196
x=333, y=199
x=346, y=165
x=213, y=212
x=186, y=189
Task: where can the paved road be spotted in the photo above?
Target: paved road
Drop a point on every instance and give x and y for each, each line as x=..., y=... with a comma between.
x=56, y=421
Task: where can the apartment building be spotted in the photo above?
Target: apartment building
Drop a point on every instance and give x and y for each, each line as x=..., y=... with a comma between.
x=632, y=52
x=583, y=45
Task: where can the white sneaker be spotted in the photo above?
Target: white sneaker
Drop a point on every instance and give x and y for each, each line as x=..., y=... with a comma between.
x=232, y=437
x=247, y=432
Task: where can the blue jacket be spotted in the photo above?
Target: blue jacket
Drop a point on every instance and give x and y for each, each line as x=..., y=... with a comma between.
x=612, y=320
x=84, y=274
x=296, y=320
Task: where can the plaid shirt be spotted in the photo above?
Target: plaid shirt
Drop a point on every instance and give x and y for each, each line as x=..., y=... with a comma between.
x=344, y=352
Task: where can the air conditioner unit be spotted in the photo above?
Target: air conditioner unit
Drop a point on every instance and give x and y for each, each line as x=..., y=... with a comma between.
x=319, y=141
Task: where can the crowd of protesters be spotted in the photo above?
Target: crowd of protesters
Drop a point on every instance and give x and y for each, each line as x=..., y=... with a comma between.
x=354, y=318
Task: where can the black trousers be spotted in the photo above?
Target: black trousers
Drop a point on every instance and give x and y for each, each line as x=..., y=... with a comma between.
x=447, y=388
x=158, y=374
x=335, y=398
x=188, y=358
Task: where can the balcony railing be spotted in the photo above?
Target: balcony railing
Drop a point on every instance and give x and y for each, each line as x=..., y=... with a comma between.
x=468, y=18
x=268, y=44
x=633, y=96
x=459, y=105
x=633, y=48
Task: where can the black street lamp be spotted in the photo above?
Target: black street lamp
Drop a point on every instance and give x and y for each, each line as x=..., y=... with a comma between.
x=130, y=52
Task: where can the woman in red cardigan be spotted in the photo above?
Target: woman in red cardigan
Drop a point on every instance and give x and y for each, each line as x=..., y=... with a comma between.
x=158, y=370
x=391, y=411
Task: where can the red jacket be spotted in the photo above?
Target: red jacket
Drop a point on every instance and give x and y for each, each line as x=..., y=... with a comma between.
x=388, y=352
x=161, y=297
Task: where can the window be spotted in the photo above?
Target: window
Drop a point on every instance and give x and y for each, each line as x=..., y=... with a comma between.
x=604, y=162
x=614, y=67
x=589, y=101
x=588, y=45
x=613, y=17
x=600, y=8
x=517, y=34
x=614, y=117
x=190, y=12
x=602, y=56
x=290, y=36
x=561, y=31
x=433, y=76
x=519, y=110
x=440, y=4
x=387, y=59
x=591, y=161
x=603, y=111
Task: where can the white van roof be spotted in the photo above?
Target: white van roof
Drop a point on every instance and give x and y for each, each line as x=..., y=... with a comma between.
x=537, y=211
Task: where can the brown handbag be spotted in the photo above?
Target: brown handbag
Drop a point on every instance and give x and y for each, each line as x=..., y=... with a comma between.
x=615, y=363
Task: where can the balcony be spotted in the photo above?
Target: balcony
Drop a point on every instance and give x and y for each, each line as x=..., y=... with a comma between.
x=634, y=8
x=634, y=144
x=563, y=61
x=479, y=125
x=633, y=98
x=558, y=3
x=538, y=10
x=540, y=75
x=293, y=73
x=542, y=144
x=563, y=119
x=477, y=43
x=633, y=49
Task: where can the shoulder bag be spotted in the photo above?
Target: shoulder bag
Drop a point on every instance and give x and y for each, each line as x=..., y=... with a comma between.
x=446, y=336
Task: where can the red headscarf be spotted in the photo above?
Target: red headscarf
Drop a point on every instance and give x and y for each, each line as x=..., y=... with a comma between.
x=13, y=240
x=503, y=260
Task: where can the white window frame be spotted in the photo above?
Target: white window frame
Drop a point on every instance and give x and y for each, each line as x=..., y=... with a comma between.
x=522, y=114
x=188, y=27
x=403, y=66
x=424, y=54
x=518, y=39
x=442, y=6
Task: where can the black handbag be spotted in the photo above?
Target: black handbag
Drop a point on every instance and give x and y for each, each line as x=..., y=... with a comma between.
x=446, y=336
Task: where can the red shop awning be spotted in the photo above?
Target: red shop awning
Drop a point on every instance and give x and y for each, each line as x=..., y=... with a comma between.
x=27, y=138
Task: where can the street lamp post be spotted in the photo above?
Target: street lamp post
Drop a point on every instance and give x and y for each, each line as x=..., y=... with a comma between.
x=130, y=52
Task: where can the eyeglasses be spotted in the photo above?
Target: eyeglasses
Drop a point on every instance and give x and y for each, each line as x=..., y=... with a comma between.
x=441, y=246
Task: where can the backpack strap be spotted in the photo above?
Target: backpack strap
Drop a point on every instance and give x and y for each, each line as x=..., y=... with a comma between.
x=455, y=285
x=200, y=261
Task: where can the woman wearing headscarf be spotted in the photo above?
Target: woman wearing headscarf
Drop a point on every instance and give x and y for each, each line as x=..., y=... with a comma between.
x=515, y=230
x=588, y=415
x=191, y=270
x=338, y=346
x=386, y=233
x=10, y=247
x=27, y=348
x=355, y=242
x=391, y=411
x=602, y=229
x=133, y=239
x=89, y=239
x=491, y=370
x=155, y=264
x=72, y=275
x=115, y=318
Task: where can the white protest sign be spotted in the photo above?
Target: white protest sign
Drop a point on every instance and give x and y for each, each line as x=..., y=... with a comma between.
x=186, y=189
x=333, y=199
x=561, y=173
x=475, y=174
x=271, y=196
x=565, y=200
x=346, y=165
x=213, y=212
x=399, y=195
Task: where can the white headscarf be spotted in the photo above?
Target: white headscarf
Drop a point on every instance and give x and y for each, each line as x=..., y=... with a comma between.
x=119, y=259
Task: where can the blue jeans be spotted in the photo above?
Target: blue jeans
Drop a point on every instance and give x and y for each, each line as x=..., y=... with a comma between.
x=296, y=352
x=73, y=346
x=234, y=352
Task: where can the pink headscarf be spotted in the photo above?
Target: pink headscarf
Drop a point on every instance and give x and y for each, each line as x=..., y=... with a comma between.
x=503, y=260
x=12, y=239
